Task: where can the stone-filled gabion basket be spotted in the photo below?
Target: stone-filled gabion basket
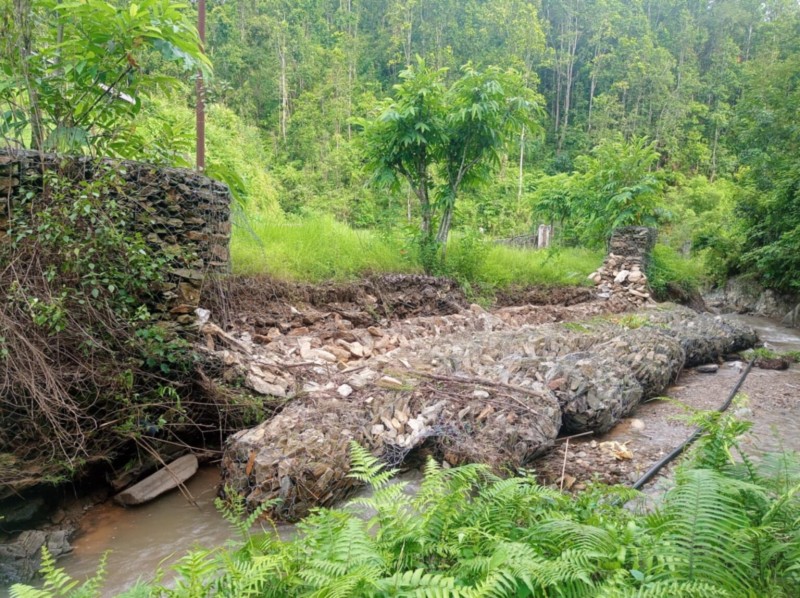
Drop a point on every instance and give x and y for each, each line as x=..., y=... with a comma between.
x=301, y=456
x=498, y=397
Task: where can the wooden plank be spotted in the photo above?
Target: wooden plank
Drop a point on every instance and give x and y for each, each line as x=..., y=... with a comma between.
x=164, y=480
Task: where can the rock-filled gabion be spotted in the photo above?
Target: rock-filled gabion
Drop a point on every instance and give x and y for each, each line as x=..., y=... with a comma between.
x=594, y=393
x=703, y=337
x=182, y=214
x=622, y=276
x=599, y=387
x=301, y=456
x=500, y=397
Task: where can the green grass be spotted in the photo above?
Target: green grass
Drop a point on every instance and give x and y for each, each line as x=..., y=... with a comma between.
x=320, y=248
x=506, y=266
x=668, y=266
x=314, y=250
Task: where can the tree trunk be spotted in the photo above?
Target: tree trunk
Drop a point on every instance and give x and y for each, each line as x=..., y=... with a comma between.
x=521, y=164
x=573, y=45
x=592, y=88
x=444, y=225
x=23, y=9
x=714, y=155
x=284, y=90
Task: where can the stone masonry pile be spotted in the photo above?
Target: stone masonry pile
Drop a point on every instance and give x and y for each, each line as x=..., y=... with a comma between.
x=622, y=275
x=182, y=214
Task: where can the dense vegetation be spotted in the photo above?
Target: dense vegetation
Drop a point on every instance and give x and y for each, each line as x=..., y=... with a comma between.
x=727, y=528
x=677, y=113
x=408, y=135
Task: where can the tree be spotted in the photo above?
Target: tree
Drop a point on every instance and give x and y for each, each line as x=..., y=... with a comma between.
x=619, y=186
x=75, y=70
x=442, y=140
x=615, y=186
x=769, y=145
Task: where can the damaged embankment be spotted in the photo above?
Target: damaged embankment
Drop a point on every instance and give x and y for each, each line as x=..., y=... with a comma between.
x=431, y=383
x=101, y=268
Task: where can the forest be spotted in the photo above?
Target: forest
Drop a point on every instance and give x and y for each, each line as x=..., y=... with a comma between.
x=675, y=113
x=363, y=141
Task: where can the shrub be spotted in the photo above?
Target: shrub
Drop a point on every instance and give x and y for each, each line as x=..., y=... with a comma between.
x=668, y=268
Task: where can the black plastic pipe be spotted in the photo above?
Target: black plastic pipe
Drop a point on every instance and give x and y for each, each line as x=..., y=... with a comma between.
x=695, y=435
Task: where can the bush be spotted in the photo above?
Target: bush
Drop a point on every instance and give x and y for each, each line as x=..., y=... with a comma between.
x=79, y=345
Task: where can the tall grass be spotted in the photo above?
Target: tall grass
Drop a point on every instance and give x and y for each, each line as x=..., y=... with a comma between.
x=667, y=266
x=320, y=248
x=507, y=266
x=314, y=249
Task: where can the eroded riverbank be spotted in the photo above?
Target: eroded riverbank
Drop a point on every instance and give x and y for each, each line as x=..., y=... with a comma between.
x=141, y=539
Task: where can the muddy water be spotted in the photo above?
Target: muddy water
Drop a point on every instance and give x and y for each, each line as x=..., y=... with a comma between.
x=778, y=338
x=142, y=539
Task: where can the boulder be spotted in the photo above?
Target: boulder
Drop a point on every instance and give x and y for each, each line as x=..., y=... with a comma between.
x=792, y=318
x=20, y=558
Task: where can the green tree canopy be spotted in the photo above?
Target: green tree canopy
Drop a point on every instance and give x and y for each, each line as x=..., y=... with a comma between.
x=443, y=140
x=75, y=70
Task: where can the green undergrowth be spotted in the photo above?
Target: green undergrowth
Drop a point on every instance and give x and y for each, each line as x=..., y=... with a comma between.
x=314, y=249
x=669, y=272
x=729, y=527
x=319, y=248
x=765, y=353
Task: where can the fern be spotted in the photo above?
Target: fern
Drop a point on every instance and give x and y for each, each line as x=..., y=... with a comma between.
x=367, y=468
x=58, y=584
x=728, y=530
x=702, y=536
x=234, y=511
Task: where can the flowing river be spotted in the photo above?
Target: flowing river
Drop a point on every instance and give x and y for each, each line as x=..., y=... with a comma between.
x=142, y=539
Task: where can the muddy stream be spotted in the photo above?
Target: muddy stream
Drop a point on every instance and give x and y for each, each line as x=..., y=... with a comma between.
x=140, y=540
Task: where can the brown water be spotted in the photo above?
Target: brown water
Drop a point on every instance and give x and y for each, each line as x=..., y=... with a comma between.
x=142, y=539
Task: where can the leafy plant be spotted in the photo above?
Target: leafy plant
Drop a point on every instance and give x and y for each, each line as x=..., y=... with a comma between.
x=727, y=528
x=442, y=140
x=78, y=69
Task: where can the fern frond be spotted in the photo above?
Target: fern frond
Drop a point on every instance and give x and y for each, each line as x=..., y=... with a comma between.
x=418, y=583
x=668, y=589
x=701, y=540
x=19, y=590
x=367, y=468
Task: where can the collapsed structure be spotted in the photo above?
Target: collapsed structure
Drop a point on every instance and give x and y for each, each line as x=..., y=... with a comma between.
x=471, y=386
